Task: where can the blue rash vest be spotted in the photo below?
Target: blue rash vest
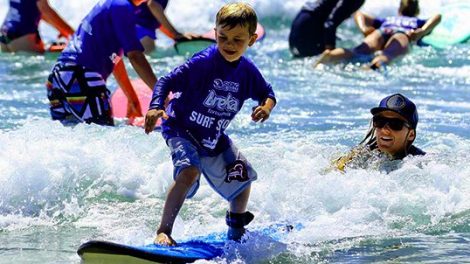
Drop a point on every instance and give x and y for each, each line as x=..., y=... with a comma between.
x=104, y=35
x=22, y=18
x=398, y=23
x=145, y=18
x=208, y=92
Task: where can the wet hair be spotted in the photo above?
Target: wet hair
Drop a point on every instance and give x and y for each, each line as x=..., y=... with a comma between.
x=409, y=8
x=235, y=14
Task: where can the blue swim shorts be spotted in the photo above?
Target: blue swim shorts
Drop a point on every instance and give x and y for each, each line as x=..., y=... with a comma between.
x=228, y=173
x=145, y=32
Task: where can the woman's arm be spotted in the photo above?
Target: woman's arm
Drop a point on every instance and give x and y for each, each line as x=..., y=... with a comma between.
x=364, y=22
x=418, y=33
x=159, y=13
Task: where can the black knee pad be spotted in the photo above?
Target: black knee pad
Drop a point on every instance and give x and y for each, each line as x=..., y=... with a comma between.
x=238, y=220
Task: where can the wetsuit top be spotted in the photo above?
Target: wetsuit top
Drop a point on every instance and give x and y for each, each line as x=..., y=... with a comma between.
x=398, y=23
x=22, y=18
x=208, y=93
x=315, y=25
x=145, y=18
x=412, y=150
x=104, y=35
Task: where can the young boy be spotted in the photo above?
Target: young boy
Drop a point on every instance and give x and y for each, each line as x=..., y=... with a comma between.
x=209, y=90
x=76, y=87
x=392, y=36
x=19, y=31
x=149, y=17
x=393, y=131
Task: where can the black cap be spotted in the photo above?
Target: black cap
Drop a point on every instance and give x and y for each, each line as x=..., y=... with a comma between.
x=401, y=105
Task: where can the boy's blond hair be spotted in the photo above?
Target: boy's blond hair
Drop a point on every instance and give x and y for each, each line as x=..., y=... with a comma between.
x=235, y=14
x=409, y=8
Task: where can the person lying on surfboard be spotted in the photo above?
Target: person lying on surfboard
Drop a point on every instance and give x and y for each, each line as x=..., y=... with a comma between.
x=209, y=90
x=392, y=132
x=151, y=16
x=388, y=38
x=19, y=31
x=314, y=28
x=76, y=88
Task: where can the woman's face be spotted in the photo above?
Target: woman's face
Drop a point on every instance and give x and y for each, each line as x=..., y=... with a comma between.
x=390, y=139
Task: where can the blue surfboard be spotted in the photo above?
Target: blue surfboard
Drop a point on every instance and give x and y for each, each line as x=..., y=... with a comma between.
x=206, y=247
x=453, y=28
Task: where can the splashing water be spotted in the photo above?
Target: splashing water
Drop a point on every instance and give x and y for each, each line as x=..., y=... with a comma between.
x=61, y=186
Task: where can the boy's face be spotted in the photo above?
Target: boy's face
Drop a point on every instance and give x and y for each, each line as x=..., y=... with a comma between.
x=233, y=42
x=393, y=141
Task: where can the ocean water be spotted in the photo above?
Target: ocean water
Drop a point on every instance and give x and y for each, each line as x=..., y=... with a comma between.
x=61, y=186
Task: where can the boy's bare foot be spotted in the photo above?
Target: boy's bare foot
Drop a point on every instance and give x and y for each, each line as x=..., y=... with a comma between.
x=164, y=240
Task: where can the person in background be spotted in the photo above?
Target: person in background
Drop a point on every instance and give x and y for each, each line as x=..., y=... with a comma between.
x=76, y=88
x=19, y=31
x=209, y=90
x=392, y=133
x=314, y=28
x=391, y=39
x=150, y=17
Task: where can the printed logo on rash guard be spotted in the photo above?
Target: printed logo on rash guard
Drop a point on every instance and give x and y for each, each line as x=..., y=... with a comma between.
x=226, y=86
x=222, y=103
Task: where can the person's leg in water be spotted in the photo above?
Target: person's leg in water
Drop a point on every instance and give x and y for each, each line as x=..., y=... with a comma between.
x=396, y=46
x=148, y=44
x=30, y=43
x=239, y=215
x=373, y=42
x=174, y=202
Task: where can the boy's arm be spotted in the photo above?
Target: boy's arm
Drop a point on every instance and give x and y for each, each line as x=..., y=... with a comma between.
x=157, y=104
x=418, y=33
x=50, y=16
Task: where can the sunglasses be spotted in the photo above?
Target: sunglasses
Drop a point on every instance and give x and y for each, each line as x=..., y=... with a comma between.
x=393, y=123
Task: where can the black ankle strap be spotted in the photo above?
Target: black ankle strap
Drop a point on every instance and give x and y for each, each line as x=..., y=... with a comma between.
x=236, y=220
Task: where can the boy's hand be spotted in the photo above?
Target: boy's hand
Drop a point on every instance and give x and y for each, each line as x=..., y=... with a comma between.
x=261, y=112
x=151, y=118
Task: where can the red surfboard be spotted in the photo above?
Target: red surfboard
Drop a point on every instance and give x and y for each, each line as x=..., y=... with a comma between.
x=119, y=102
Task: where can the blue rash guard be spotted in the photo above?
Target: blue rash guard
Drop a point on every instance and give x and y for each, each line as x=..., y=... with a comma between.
x=397, y=24
x=104, y=35
x=145, y=18
x=22, y=18
x=208, y=93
